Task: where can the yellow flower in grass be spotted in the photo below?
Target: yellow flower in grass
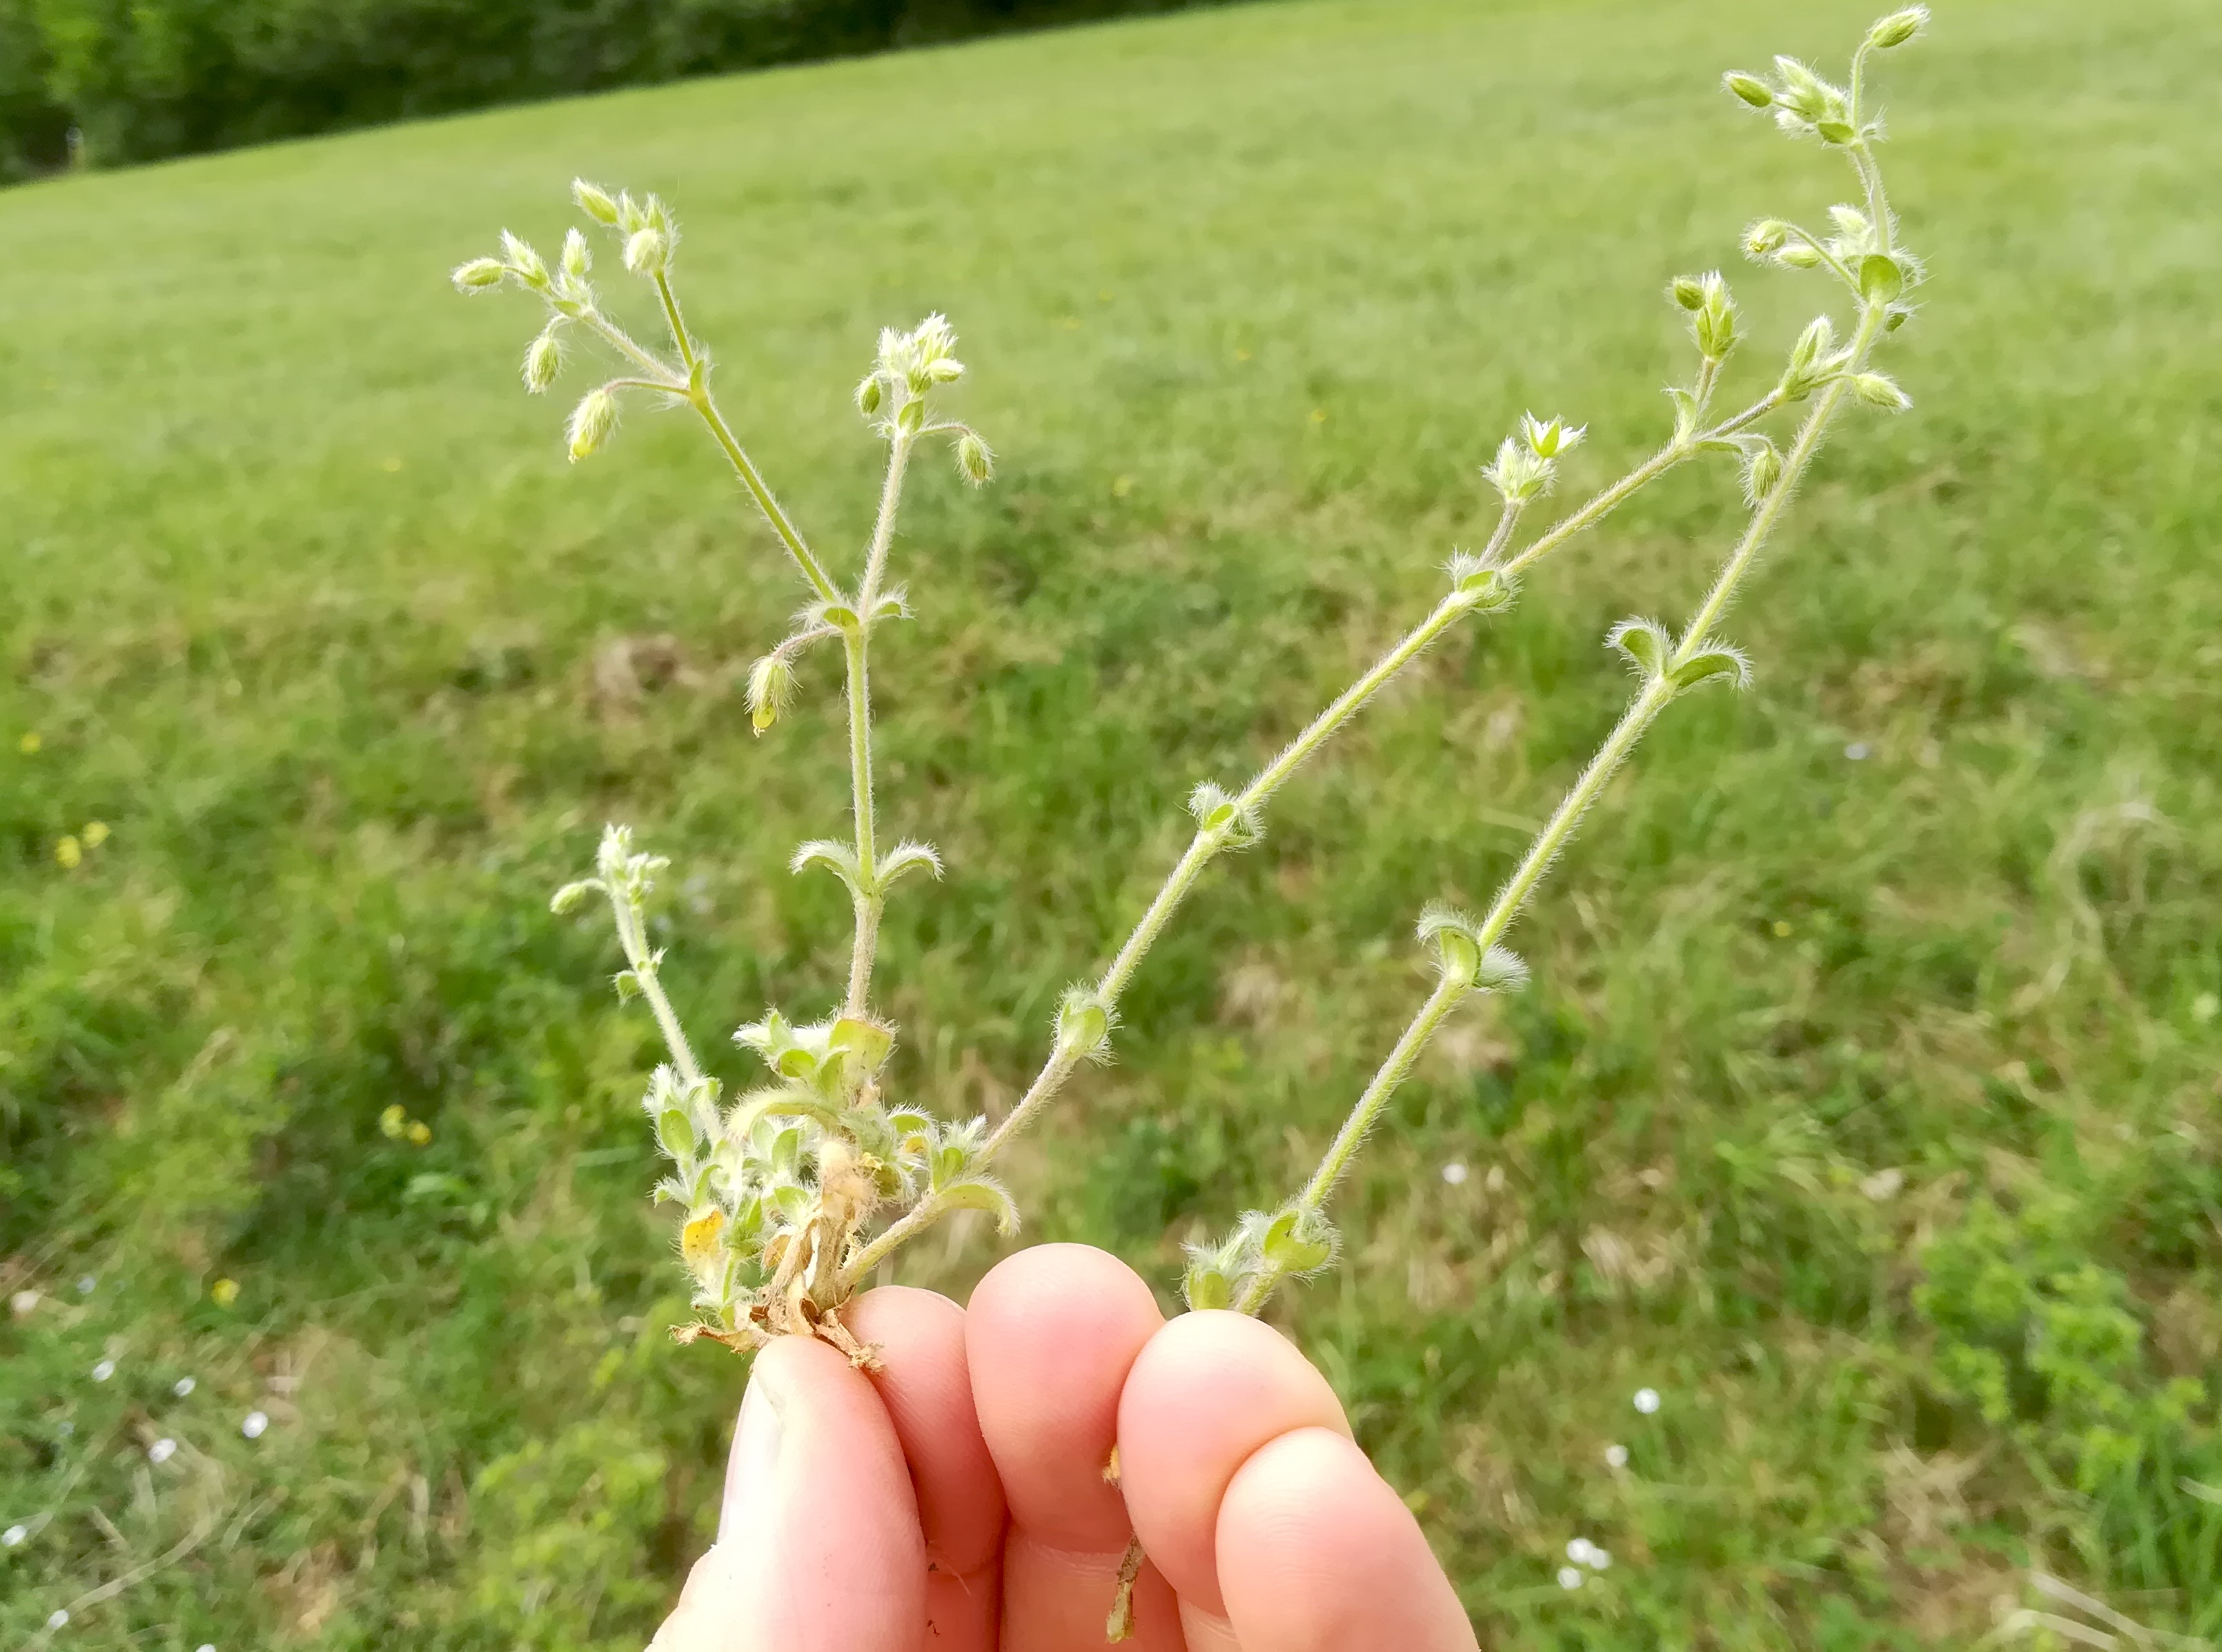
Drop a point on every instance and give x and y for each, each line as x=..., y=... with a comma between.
x=69, y=853
x=420, y=1133
x=224, y=1292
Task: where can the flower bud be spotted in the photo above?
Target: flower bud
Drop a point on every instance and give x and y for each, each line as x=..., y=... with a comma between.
x=1878, y=390
x=1798, y=257
x=1750, y=87
x=771, y=688
x=577, y=260
x=1766, y=237
x=1686, y=292
x=944, y=371
x=646, y=251
x=975, y=459
x=1549, y=438
x=1898, y=28
x=524, y=262
x=592, y=420
x=543, y=359
x=593, y=201
x=478, y=275
x=1763, y=469
x=869, y=394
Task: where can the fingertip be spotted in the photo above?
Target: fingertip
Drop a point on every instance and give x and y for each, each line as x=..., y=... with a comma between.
x=924, y=1382
x=1208, y=1391
x=1316, y=1553
x=1050, y=1335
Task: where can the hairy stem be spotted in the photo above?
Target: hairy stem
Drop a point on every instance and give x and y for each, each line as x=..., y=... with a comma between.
x=1206, y=844
x=752, y=479
x=871, y=901
x=633, y=936
x=1643, y=711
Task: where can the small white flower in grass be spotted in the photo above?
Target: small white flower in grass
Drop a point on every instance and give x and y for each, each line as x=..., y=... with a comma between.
x=14, y=1536
x=1597, y=1558
x=86, y=1285
x=1647, y=1401
x=207, y=1646
x=1857, y=752
x=1570, y=1577
x=58, y=1618
x=1456, y=1173
x=253, y=1423
x=104, y=1371
x=1578, y=1550
x=1616, y=1456
x=22, y=1303
x=161, y=1451
x=183, y=1386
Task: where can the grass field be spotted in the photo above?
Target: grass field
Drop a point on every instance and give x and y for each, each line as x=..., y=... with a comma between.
x=1865, y=1103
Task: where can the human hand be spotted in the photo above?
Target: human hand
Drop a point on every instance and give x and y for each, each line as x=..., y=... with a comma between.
x=957, y=1500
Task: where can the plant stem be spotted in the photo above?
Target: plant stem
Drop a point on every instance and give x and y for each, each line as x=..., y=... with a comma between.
x=871, y=899
x=706, y=405
x=1643, y=711
x=1205, y=846
x=633, y=935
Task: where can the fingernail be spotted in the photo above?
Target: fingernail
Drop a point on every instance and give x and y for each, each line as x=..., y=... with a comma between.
x=752, y=1470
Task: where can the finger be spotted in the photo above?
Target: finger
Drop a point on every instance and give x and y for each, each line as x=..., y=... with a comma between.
x=1049, y=1336
x=1317, y=1554
x=928, y=1391
x=1209, y=1390
x=817, y=1546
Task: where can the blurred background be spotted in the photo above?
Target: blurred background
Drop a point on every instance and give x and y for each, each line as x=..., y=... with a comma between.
x=1867, y=1106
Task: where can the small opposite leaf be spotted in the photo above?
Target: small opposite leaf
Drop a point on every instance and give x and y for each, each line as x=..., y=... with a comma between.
x=1715, y=660
x=1206, y=1287
x=1880, y=279
x=1645, y=642
x=867, y=1041
x=981, y=1194
x=837, y=857
x=1299, y=1240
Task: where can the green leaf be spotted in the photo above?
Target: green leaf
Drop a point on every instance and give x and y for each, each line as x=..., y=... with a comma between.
x=1206, y=1287
x=1880, y=279
x=1298, y=1240
x=1645, y=644
x=1716, y=660
x=675, y=1133
x=981, y=1194
x=866, y=1041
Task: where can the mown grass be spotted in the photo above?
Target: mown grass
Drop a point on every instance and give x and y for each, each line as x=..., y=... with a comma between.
x=1851, y=1090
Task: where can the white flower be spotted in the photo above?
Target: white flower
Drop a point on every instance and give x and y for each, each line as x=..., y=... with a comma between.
x=1616, y=1456
x=253, y=1424
x=183, y=1386
x=161, y=1451
x=14, y=1536
x=1598, y=1559
x=22, y=1303
x=104, y=1371
x=58, y=1618
x=1456, y=1173
x=1570, y=1577
x=1646, y=1400
x=1857, y=752
x=86, y=1284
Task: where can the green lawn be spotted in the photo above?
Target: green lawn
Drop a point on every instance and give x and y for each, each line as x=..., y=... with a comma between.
x=1851, y=1090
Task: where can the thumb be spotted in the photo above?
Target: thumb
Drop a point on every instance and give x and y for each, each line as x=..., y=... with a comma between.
x=819, y=1548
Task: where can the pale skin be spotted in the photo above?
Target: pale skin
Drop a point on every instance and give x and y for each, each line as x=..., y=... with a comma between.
x=955, y=1501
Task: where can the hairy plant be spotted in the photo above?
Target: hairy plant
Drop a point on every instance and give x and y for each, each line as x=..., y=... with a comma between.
x=795, y=1191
